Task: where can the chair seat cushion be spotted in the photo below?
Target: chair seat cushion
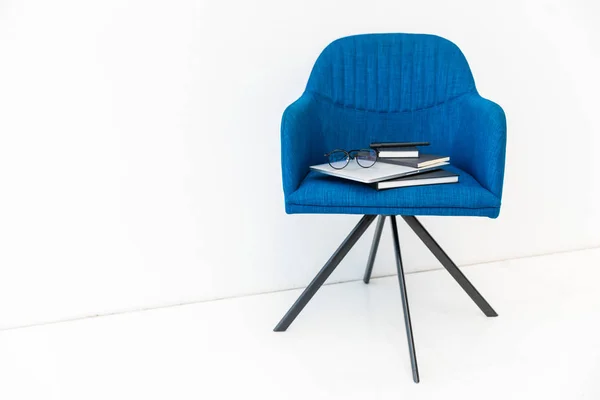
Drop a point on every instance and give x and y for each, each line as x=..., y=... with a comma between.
x=322, y=194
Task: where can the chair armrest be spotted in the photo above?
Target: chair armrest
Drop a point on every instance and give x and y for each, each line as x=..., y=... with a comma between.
x=481, y=141
x=299, y=125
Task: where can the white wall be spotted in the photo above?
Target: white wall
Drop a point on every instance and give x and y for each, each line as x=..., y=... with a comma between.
x=139, y=144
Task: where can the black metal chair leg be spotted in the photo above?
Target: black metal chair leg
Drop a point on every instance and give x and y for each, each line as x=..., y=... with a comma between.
x=374, y=246
x=402, y=281
x=322, y=276
x=439, y=253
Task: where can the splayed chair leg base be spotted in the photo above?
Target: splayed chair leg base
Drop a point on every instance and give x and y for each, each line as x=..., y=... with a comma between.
x=351, y=240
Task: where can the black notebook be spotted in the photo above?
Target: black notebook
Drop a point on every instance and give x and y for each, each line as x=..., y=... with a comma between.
x=424, y=178
x=424, y=160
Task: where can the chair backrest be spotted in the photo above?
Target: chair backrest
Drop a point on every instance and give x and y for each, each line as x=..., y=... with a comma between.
x=392, y=72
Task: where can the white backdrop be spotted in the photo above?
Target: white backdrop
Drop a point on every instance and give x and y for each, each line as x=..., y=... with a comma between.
x=139, y=145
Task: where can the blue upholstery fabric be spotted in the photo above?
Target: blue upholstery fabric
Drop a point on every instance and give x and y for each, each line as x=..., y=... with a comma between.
x=393, y=87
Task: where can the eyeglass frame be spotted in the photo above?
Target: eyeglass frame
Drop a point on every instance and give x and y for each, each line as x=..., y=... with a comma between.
x=351, y=157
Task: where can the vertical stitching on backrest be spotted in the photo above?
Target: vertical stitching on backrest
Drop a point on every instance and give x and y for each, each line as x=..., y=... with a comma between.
x=411, y=92
x=355, y=66
x=377, y=77
x=447, y=79
x=435, y=72
x=332, y=83
x=410, y=77
x=343, y=76
x=390, y=79
x=410, y=87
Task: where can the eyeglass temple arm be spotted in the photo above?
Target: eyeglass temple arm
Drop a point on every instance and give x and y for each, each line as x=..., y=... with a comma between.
x=358, y=151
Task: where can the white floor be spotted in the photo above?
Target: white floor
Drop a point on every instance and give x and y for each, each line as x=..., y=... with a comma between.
x=349, y=343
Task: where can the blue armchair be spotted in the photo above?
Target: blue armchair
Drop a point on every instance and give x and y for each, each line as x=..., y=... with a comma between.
x=393, y=87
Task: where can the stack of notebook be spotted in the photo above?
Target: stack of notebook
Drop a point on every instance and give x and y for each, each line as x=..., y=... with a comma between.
x=396, y=166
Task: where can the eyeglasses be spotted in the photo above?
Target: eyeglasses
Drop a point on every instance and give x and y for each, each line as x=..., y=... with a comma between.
x=339, y=158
